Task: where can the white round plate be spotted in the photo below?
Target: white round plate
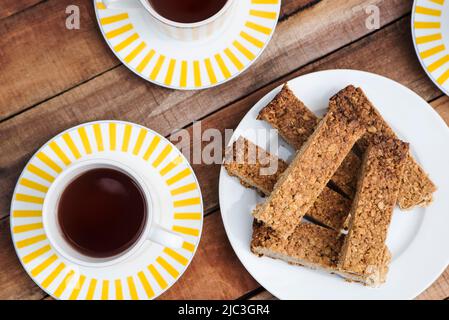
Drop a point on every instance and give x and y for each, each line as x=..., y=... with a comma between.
x=153, y=268
x=418, y=239
x=167, y=62
x=430, y=27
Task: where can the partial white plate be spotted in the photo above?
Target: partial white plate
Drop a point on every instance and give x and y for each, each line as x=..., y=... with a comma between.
x=418, y=240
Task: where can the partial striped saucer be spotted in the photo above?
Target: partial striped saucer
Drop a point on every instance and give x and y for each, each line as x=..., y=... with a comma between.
x=189, y=65
x=153, y=269
x=430, y=25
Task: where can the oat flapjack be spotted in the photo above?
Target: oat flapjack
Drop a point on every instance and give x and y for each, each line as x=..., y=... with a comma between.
x=314, y=165
x=363, y=253
x=416, y=187
x=296, y=123
x=330, y=209
x=310, y=245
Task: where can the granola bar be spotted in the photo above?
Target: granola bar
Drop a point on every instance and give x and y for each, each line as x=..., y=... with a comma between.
x=300, y=185
x=296, y=123
x=375, y=280
x=363, y=253
x=330, y=209
x=310, y=246
x=416, y=187
x=245, y=160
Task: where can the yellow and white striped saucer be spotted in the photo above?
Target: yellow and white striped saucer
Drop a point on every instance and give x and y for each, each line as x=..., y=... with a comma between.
x=154, y=268
x=430, y=25
x=189, y=65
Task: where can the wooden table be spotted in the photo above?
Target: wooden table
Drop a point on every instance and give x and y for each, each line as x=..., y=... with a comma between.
x=52, y=78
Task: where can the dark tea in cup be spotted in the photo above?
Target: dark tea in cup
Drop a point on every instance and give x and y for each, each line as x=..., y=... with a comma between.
x=187, y=11
x=102, y=212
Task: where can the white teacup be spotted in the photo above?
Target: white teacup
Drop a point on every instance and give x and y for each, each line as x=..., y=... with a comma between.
x=151, y=231
x=179, y=31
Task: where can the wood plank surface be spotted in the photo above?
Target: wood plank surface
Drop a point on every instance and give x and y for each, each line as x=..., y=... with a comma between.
x=263, y=295
x=11, y=7
x=118, y=94
x=313, y=35
x=230, y=116
x=14, y=281
x=290, y=7
x=40, y=57
x=48, y=58
x=440, y=106
x=439, y=290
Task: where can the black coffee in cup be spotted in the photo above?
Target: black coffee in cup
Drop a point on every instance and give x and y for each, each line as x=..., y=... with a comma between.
x=102, y=213
x=187, y=11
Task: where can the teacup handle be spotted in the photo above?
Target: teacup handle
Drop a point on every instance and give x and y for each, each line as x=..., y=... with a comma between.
x=120, y=4
x=165, y=238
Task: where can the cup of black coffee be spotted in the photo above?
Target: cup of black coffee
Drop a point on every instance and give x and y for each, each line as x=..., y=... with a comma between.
x=100, y=212
x=185, y=20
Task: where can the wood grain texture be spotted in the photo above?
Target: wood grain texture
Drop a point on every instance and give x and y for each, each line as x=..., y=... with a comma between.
x=48, y=58
x=14, y=281
x=229, y=117
x=120, y=95
x=439, y=289
x=290, y=7
x=40, y=57
x=441, y=106
x=264, y=295
x=11, y=7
